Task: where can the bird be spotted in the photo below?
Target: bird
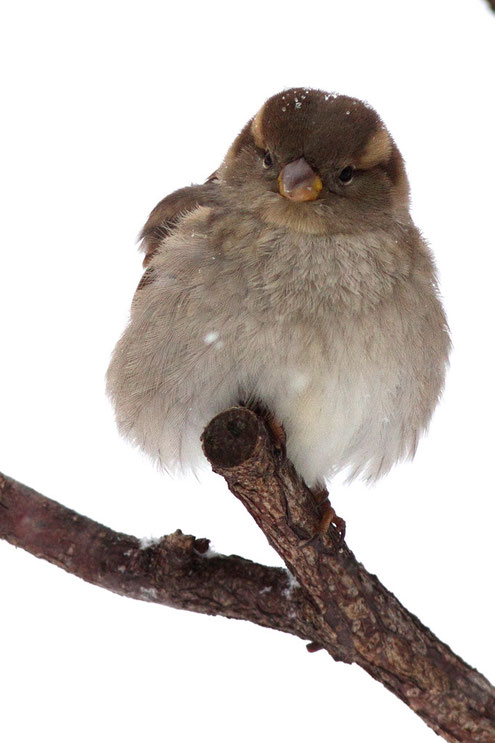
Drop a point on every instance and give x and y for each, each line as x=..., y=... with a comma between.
x=293, y=281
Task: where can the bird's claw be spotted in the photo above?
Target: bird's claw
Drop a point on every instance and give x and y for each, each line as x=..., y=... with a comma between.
x=328, y=518
x=278, y=434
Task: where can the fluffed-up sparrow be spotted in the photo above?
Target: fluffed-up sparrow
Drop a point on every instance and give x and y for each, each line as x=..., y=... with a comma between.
x=294, y=279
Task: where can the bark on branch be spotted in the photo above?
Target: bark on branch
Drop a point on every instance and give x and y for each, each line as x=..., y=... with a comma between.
x=178, y=570
x=359, y=620
x=335, y=603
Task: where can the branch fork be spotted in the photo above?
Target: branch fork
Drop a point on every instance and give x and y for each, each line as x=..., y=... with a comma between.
x=326, y=596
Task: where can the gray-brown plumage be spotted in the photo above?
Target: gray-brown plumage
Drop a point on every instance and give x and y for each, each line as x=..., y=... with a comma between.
x=295, y=278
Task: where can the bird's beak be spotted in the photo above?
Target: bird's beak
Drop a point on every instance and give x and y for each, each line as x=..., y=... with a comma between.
x=298, y=181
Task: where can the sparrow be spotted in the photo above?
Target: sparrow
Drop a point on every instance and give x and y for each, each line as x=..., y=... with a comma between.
x=293, y=281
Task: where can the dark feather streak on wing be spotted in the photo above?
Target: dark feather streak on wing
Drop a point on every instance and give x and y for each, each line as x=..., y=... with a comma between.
x=165, y=217
x=168, y=212
x=146, y=278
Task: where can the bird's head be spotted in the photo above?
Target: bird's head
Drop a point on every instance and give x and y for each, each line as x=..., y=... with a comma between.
x=308, y=158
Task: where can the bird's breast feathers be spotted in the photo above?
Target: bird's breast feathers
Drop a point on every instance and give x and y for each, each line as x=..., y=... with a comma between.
x=328, y=333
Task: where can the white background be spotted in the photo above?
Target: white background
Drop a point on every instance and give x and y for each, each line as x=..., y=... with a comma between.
x=107, y=107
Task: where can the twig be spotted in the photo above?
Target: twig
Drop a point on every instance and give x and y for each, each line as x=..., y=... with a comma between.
x=177, y=571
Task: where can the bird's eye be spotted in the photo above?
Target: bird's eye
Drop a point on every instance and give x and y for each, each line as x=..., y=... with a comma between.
x=345, y=176
x=267, y=160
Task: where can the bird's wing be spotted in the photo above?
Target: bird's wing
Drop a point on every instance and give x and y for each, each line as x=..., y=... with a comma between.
x=169, y=210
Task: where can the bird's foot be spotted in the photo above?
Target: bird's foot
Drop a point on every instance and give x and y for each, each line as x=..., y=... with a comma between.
x=278, y=433
x=275, y=428
x=327, y=514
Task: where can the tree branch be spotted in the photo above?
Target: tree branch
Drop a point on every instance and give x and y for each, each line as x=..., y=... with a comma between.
x=334, y=603
x=178, y=570
x=360, y=620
